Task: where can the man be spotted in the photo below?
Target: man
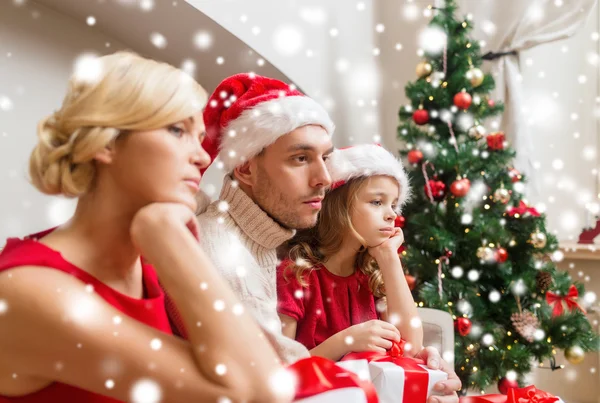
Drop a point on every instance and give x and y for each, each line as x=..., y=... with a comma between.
x=273, y=142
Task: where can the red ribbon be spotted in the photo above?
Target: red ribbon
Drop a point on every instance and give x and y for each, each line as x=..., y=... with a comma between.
x=529, y=394
x=522, y=210
x=416, y=378
x=557, y=300
x=317, y=375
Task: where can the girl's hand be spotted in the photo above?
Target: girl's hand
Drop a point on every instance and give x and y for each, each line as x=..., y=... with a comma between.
x=388, y=248
x=374, y=335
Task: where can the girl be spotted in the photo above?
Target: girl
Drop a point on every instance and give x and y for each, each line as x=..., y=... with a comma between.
x=83, y=316
x=333, y=279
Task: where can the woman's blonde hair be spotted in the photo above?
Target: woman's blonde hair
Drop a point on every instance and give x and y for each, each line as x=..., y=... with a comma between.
x=312, y=247
x=128, y=93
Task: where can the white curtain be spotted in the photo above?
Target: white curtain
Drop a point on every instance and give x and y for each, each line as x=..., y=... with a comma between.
x=524, y=25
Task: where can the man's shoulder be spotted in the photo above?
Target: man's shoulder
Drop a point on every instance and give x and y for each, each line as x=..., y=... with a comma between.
x=216, y=227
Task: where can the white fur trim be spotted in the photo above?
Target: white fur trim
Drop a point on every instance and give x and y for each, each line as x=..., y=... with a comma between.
x=368, y=160
x=261, y=126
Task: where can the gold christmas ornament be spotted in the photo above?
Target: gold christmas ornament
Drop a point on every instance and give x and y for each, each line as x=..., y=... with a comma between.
x=477, y=132
x=538, y=239
x=574, y=355
x=424, y=69
x=486, y=254
x=501, y=195
x=475, y=76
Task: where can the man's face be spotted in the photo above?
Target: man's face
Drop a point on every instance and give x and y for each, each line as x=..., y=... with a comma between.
x=290, y=177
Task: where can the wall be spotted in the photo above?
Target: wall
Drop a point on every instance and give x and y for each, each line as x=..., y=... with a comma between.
x=37, y=49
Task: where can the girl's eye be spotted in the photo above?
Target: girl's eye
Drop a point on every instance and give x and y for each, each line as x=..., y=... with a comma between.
x=376, y=202
x=176, y=131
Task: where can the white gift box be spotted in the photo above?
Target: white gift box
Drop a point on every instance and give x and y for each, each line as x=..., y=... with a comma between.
x=389, y=378
x=359, y=367
x=389, y=381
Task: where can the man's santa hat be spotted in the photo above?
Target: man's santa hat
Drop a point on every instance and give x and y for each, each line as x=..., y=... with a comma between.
x=248, y=112
x=367, y=160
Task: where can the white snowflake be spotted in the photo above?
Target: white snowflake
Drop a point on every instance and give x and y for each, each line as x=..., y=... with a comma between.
x=158, y=40
x=3, y=306
x=494, y=296
x=433, y=39
x=487, y=339
x=457, y=272
x=203, y=40
x=473, y=275
x=155, y=344
x=219, y=305
x=221, y=369
x=87, y=68
x=146, y=391
x=147, y=5
x=238, y=309
x=288, y=40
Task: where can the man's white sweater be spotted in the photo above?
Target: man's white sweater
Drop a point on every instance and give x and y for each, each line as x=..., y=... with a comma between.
x=241, y=240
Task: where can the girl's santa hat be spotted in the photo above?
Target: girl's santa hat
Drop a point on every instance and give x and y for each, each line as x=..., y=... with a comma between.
x=367, y=160
x=248, y=112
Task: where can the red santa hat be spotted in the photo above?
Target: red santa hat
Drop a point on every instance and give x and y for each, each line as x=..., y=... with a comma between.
x=248, y=112
x=367, y=160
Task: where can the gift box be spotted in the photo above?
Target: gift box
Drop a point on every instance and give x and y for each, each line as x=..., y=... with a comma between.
x=398, y=379
x=358, y=367
x=530, y=394
x=319, y=380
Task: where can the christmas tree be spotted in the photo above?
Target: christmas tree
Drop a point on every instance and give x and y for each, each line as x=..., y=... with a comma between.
x=475, y=246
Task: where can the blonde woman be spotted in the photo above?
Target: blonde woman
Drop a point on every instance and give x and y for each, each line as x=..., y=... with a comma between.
x=85, y=319
x=329, y=287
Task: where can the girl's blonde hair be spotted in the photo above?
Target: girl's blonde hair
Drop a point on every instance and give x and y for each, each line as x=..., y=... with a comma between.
x=311, y=247
x=128, y=93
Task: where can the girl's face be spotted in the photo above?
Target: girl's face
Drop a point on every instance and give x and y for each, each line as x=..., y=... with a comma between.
x=373, y=213
x=161, y=165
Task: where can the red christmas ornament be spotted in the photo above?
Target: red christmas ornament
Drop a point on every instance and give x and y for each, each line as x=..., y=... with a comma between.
x=399, y=221
x=495, y=141
x=463, y=326
x=438, y=189
x=421, y=116
x=515, y=175
x=460, y=187
x=401, y=249
x=504, y=385
x=415, y=156
x=448, y=253
x=463, y=100
x=501, y=255
x=411, y=281
x=491, y=103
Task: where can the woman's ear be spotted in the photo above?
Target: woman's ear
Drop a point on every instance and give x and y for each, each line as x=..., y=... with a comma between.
x=105, y=156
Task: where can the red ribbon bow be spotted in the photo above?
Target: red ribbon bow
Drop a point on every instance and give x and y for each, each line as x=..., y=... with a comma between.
x=529, y=394
x=416, y=378
x=570, y=299
x=522, y=210
x=317, y=375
